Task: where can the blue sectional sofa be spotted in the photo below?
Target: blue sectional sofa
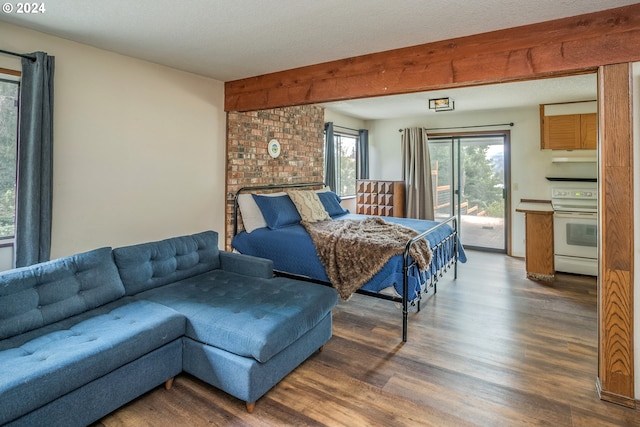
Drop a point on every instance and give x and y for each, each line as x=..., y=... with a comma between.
x=80, y=336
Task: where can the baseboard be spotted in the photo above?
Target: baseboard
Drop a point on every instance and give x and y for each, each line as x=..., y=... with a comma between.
x=606, y=396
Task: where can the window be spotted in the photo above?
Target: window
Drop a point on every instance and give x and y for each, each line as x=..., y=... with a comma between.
x=9, y=92
x=346, y=164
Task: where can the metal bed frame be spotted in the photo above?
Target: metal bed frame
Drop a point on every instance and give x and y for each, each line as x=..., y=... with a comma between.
x=408, y=263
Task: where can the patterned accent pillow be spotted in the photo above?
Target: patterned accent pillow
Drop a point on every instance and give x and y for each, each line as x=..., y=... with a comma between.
x=309, y=206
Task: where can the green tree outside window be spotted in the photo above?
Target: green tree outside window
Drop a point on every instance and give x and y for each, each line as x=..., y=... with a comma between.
x=9, y=91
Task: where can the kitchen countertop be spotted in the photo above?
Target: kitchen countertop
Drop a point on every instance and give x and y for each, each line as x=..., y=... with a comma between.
x=535, y=206
x=564, y=179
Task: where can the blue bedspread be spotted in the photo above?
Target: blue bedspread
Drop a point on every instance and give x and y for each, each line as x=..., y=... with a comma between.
x=292, y=251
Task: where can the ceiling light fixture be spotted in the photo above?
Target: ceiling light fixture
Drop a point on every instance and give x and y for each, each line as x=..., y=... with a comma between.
x=441, y=104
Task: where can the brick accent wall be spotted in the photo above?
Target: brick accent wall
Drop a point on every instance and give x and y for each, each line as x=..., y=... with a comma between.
x=300, y=131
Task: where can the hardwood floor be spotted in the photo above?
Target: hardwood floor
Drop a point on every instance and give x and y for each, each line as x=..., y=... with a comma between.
x=489, y=349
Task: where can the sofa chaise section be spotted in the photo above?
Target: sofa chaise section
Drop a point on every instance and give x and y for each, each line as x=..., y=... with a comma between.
x=245, y=329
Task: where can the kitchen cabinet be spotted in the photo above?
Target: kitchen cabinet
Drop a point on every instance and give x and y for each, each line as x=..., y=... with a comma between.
x=539, y=248
x=569, y=131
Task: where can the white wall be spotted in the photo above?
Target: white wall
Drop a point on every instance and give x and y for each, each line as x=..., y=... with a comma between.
x=339, y=119
x=139, y=149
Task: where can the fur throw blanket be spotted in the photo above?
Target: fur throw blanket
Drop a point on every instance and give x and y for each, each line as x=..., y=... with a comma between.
x=353, y=251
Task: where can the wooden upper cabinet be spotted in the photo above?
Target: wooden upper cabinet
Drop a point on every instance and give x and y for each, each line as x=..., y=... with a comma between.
x=569, y=131
x=561, y=132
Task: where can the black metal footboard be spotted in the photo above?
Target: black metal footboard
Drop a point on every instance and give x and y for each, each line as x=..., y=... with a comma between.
x=449, y=243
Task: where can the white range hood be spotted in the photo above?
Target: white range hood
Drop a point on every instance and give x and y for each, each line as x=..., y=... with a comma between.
x=577, y=159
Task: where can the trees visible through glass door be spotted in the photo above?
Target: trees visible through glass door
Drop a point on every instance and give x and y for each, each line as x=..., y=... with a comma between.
x=469, y=181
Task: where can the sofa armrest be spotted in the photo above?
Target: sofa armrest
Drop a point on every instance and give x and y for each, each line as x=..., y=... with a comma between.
x=246, y=264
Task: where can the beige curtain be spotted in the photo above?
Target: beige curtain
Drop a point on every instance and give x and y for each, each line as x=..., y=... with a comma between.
x=416, y=173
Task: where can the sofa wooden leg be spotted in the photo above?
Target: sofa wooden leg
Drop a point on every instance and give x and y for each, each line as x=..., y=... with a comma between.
x=320, y=349
x=168, y=384
x=250, y=407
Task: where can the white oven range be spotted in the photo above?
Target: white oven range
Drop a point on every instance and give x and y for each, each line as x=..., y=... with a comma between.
x=575, y=222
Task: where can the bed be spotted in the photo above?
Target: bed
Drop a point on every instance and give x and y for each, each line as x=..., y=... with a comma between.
x=274, y=231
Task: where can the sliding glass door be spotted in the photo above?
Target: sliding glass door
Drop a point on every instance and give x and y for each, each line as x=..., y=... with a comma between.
x=469, y=179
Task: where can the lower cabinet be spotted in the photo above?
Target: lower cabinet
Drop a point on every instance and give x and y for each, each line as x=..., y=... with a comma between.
x=539, y=250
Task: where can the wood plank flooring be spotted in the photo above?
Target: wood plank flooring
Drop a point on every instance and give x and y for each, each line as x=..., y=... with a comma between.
x=489, y=349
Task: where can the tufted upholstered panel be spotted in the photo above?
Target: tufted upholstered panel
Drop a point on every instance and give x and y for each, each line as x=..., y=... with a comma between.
x=149, y=265
x=35, y=296
x=62, y=360
x=255, y=318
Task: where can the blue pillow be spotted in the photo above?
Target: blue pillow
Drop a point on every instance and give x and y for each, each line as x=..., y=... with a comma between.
x=331, y=203
x=277, y=211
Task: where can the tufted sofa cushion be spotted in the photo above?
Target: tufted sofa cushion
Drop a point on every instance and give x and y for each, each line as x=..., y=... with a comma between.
x=250, y=317
x=46, y=367
x=35, y=296
x=149, y=265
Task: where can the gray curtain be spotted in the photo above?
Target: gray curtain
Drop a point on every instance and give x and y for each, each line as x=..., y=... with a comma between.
x=35, y=161
x=330, y=172
x=363, y=154
x=416, y=173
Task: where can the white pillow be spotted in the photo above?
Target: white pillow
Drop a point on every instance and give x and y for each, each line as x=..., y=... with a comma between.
x=251, y=215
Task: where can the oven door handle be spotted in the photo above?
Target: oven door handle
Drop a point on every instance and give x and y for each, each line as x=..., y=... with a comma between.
x=576, y=215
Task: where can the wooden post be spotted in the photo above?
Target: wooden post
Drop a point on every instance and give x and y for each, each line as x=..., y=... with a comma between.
x=615, y=287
